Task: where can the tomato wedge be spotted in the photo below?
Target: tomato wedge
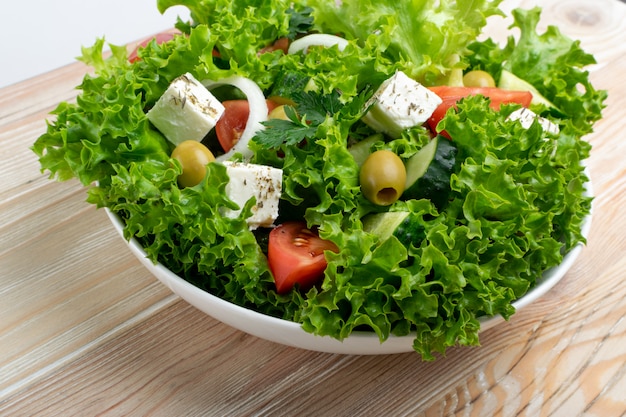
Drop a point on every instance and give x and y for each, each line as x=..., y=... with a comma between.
x=451, y=95
x=296, y=256
x=233, y=121
x=159, y=38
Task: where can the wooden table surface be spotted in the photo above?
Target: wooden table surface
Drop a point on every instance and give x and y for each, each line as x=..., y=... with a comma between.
x=86, y=330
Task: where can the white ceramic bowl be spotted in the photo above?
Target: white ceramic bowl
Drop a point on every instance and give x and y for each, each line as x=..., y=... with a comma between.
x=291, y=334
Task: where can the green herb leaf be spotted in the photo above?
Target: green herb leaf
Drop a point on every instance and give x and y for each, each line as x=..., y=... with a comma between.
x=300, y=22
x=279, y=132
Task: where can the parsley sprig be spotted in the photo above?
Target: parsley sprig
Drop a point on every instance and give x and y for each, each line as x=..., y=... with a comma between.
x=311, y=110
x=281, y=131
x=300, y=22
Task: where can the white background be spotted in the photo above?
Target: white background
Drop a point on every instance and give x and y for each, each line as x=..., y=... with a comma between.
x=37, y=36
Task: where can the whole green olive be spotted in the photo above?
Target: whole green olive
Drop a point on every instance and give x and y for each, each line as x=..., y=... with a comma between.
x=382, y=177
x=478, y=78
x=193, y=157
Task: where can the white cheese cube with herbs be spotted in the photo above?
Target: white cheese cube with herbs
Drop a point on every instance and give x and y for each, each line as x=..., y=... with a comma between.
x=400, y=103
x=262, y=182
x=186, y=111
x=526, y=118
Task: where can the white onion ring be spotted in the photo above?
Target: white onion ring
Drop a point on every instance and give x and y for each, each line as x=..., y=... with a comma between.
x=258, y=112
x=317, y=39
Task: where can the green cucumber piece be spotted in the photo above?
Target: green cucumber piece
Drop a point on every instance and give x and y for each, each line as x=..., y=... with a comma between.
x=510, y=81
x=384, y=224
x=361, y=150
x=405, y=226
x=417, y=165
x=428, y=172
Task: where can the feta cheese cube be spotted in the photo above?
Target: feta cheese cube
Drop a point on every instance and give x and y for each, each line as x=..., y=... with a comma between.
x=400, y=103
x=186, y=111
x=526, y=118
x=259, y=181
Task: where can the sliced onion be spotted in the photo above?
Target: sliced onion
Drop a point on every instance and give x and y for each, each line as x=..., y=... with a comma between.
x=317, y=39
x=258, y=112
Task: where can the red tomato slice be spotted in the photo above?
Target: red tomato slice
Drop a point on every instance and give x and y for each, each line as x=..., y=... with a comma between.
x=296, y=256
x=159, y=38
x=231, y=125
x=451, y=95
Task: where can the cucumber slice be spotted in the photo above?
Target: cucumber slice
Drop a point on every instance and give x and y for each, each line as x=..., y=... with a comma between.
x=384, y=224
x=411, y=231
x=428, y=172
x=361, y=150
x=406, y=227
x=510, y=81
x=417, y=165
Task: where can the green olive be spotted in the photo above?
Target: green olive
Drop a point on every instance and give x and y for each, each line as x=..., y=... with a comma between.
x=193, y=157
x=382, y=177
x=478, y=78
x=278, y=113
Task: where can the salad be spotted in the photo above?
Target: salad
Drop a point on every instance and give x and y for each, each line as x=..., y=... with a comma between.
x=384, y=222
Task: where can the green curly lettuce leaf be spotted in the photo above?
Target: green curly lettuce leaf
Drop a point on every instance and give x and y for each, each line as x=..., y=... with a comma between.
x=424, y=37
x=516, y=207
x=552, y=63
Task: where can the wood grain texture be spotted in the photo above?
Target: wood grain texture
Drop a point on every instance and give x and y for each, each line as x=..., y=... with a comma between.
x=86, y=330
